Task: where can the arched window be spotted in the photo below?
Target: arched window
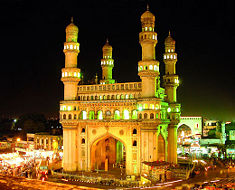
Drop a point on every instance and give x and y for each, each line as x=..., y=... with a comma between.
x=156, y=115
x=145, y=106
x=122, y=97
x=96, y=97
x=145, y=116
x=157, y=107
x=151, y=116
x=83, y=141
x=70, y=116
x=126, y=114
x=104, y=97
x=126, y=96
x=134, y=114
x=131, y=96
x=140, y=116
x=134, y=131
x=101, y=97
x=91, y=115
x=100, y=115
x=108, y=97
x=134, y=143
x=83, y=130
x=151, y=106
x=118, y=97
x=92, y=97
x=150, y=67
x=108, y=113
x=112, y=97
x=84, y=115
x=64, y=116
x=75, y=116
x=117, y=114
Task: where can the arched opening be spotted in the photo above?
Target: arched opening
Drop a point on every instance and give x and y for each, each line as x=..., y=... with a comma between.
x=83, y=115
x=134, y=114
x=145, y=116
x=108, y=114
x=91, y=115
x=108, y=154
x=83, y=141
x=117, y=114
x=134, y=131
x=134, y=143
x=100, y=115
x=161, y=148
x=184, y=135
x=126, y=114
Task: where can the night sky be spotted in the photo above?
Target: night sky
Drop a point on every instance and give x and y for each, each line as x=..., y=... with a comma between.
x=33, y=32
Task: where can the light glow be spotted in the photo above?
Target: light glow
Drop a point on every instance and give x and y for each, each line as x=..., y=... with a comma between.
x=126, y=114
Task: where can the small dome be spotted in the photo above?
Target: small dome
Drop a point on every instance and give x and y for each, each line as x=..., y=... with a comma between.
x=72, y=28
x=169, y=40
x=107, y=45
x=147, y=16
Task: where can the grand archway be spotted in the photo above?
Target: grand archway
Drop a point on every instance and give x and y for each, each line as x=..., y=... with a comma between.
x=161, y=148
x=184, y=131
x=107, y=153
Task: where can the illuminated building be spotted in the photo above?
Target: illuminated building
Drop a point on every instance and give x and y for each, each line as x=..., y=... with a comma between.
x=47, y=141
x=230, y=139
x=120, y=123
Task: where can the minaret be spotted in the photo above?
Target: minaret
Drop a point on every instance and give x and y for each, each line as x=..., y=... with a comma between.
x=71, y=74
x=107, y=64
x=170, y=78
x=171, y=82
x=148, y=67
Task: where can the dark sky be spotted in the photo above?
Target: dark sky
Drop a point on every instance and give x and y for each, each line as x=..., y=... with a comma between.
x=33, y=32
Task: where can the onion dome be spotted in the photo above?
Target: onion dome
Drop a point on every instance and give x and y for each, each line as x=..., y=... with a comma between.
x=71, y=32
x=107, y=50
x=72, y=28
x=107, y=45
x=169, y=40
x=147, y=18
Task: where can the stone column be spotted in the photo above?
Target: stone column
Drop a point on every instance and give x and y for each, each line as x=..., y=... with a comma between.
x=172, y=143
x=70, y=148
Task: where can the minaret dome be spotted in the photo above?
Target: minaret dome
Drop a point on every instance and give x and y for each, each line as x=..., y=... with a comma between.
x=169, y=40
x=71, y=32
x=107, y=50
x=147, y=19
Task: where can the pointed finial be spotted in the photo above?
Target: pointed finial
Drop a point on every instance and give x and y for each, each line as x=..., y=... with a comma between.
x=71, y=19
x=107, y=40
x=147, y=7
x=169, y=33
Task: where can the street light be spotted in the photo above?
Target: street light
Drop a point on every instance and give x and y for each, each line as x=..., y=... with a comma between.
x=18, y=139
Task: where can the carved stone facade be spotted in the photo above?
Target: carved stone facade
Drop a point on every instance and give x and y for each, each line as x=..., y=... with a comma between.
x=120, y=123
